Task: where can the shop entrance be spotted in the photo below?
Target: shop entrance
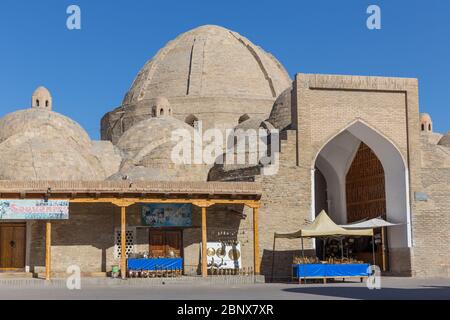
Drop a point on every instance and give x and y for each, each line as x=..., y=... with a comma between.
x=12, y=246
x=360, y=175
x=166, y=244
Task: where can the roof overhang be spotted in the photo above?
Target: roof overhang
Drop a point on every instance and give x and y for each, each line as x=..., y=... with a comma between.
x=146, y=191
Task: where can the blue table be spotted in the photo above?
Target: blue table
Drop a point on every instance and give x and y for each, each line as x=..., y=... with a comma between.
x=324, y=271
x=154, y=264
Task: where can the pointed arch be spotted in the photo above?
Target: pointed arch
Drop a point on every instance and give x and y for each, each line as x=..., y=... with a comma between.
x=339, y=151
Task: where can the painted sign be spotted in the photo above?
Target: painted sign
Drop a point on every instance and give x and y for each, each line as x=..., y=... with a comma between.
x=167, y=215
x=221, y=255
x=34, y=210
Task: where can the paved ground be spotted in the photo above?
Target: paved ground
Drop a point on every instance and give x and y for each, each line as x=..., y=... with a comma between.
x=392, y=288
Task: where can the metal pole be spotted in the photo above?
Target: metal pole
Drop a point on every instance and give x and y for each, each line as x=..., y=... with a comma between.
x=273, y=258
x=373, y=250
x=303, y=251
x=342, y=249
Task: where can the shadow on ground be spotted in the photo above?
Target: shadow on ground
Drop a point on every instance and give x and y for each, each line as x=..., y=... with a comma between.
x=422, y=293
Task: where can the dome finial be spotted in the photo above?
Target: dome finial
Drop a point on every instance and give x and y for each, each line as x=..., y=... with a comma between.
x=426, y=124
x=161, y=108
x=41, y=99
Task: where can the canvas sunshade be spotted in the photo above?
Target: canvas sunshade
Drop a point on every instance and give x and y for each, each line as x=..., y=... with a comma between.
x=323, y=226
x=369, y=224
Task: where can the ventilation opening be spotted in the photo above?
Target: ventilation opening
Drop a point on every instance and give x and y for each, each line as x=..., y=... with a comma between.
x=130, y=238
x=243, y=118
x=191, y=120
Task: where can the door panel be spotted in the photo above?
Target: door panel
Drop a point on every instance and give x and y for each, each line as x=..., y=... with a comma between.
x=157, y=244
x=12, y=246
x=162, y=242
x=173, y=242
x=18, y=254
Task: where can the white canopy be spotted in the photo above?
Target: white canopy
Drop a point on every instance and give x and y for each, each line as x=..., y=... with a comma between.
x=323, y=226
x=369, y=224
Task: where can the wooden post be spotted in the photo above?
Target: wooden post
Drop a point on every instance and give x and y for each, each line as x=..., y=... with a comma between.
x=48, y=250
x=123, y=242
x=256, y=262
x=204, y=245
x=383, y=249
x=373, y=250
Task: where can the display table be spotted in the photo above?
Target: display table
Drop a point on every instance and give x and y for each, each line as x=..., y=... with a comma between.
x=327, y=271
x=155, y=264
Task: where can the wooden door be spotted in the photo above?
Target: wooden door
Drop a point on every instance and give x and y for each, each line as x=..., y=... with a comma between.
x=173, y=242
x=157, y=244
x=12, y=246
x=162, y=242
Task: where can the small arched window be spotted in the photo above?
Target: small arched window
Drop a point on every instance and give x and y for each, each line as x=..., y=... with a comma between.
x=161, y=112
x=243, y=118
x=46, y=103
x=37, y=102
x=191, y=120
x=423, y=127
x=429, y=127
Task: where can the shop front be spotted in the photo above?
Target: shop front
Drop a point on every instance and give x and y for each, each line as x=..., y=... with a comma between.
x=167, y=229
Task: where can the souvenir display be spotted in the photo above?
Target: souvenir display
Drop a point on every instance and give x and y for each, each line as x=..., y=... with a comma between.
x=224, y=255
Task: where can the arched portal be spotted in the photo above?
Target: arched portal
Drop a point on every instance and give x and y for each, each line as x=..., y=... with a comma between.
x=360, y=174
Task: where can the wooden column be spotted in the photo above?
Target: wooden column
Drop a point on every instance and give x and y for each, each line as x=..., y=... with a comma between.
x=123, y=242
x=48, y=250
x=256, y=262
x=204, y=244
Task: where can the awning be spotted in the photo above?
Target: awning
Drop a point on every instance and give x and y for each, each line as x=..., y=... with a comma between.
x=323, y=226
x=369, y=224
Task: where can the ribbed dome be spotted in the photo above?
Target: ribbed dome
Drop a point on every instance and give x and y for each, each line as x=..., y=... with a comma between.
x=210, y=61
x=37, y=144
x=210, y=74
x=445, y=140
x=280, y=116
x=149, y=134
x=39, y=121
x=147, y=148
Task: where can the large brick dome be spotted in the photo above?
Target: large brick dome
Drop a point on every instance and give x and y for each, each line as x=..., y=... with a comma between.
x=210, y=61
x=210, y=72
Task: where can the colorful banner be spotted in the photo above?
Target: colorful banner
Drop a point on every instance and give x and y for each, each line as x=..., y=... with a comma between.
x=34, y=210
x=167, y=215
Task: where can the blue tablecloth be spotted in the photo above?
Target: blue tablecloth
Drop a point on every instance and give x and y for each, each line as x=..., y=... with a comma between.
x=330, y=270
x=154, y=264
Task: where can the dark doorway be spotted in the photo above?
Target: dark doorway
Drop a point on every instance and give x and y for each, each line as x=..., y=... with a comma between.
x=366, y=199
x=166, y=243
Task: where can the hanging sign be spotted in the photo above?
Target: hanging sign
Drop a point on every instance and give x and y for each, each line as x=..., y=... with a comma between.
x=167, y=215
x=34, y=210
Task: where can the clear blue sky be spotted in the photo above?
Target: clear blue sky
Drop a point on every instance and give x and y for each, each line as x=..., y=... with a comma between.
x=89, y=71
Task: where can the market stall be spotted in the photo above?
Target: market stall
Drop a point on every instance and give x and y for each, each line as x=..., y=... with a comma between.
x=311, y=268
x=155, y=267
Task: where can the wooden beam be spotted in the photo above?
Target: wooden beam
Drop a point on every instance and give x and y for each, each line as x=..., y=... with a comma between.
x=256, y=261
x=196, y=202
x=204, y=245
x=123, y=242
x=48, y=250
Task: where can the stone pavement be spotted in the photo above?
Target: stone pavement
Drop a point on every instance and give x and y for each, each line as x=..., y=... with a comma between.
x=392, y=289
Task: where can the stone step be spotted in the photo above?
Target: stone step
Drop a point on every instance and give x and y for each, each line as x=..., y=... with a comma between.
x=16, y=275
